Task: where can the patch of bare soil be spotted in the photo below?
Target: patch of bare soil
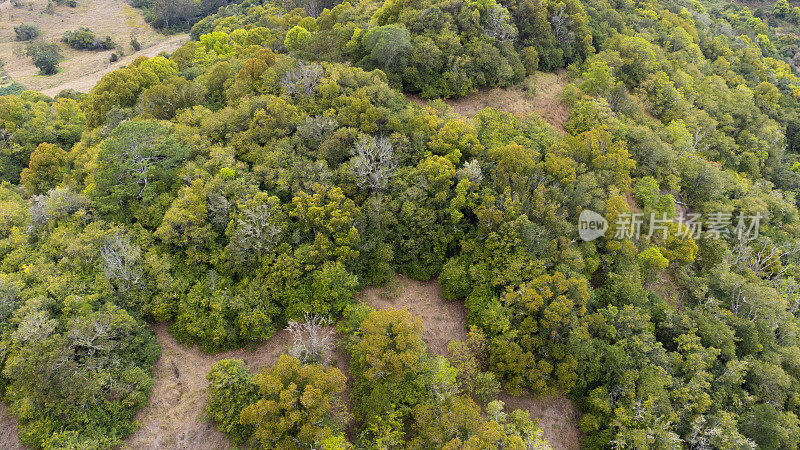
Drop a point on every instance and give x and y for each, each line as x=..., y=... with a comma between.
x=445, y=321
x=80, y=69
x=174, y=417
x=8, y=430
x=547, y=101
x=558, y=417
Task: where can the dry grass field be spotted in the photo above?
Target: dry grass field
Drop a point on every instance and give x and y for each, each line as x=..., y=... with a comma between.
x=80, y=69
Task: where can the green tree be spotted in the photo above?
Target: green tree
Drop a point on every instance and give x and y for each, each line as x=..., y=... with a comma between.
x=230, y=390
x=136, y=165
x=295, y=38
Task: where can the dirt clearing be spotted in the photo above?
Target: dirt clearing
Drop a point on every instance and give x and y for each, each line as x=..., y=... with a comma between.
x=173, y=417
x=558, y=417
x=445, y=321
x=546, y=102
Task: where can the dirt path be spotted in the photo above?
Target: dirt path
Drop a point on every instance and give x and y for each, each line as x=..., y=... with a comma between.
x=80, y=69
x=547, y=101
x=8, y=430
x=173, y=417
x=86, y=82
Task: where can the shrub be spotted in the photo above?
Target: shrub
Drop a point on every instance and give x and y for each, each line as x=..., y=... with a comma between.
x=230, y=390
x=11, y=89
x=113, y=58
x=84, y=39
x=26, y=32
x=135, y=45
x=45, y=57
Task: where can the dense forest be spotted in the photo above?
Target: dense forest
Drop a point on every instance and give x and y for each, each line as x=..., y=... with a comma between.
x=266, y=171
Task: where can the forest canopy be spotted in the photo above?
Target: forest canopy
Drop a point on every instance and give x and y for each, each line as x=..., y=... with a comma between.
x=271, y=167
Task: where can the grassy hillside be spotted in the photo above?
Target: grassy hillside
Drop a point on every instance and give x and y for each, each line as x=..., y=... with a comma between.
x=80, y=69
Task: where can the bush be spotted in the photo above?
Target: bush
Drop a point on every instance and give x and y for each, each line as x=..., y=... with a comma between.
x=230, y=390
x=84, y=39
x=11, y=89
x=45, y=57
x=113, y=58
x=135, y=45
x=26, y=32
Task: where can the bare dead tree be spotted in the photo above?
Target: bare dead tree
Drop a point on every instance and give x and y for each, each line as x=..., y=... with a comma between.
x=498, y=24
x=256, y=232
x=374, y=163
x=616, y=97
x=790, y=289
x=35, y=326
x=92, y=338
x=120, y=262
x=56, y=204
x=758, y=261
x=312, y=339
x=303, y=79
x=9, y=299
x=561, y=22
x=737, y=299
x=752, y=312
x=695, y=143
x=471, y=171
x=5, y=138
x=314, y=130
x=218, y=209
x=313, y=9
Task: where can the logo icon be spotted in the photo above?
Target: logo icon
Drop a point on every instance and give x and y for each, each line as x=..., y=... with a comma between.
x=591, y=225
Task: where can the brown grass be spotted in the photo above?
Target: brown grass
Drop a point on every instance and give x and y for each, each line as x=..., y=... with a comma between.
x=81, y=69
x=443, y=321
x=547, y=101
x=173, y=417
x=558, y=417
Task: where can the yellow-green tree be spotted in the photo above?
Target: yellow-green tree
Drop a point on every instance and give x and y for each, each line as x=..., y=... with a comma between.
x=297, y=406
